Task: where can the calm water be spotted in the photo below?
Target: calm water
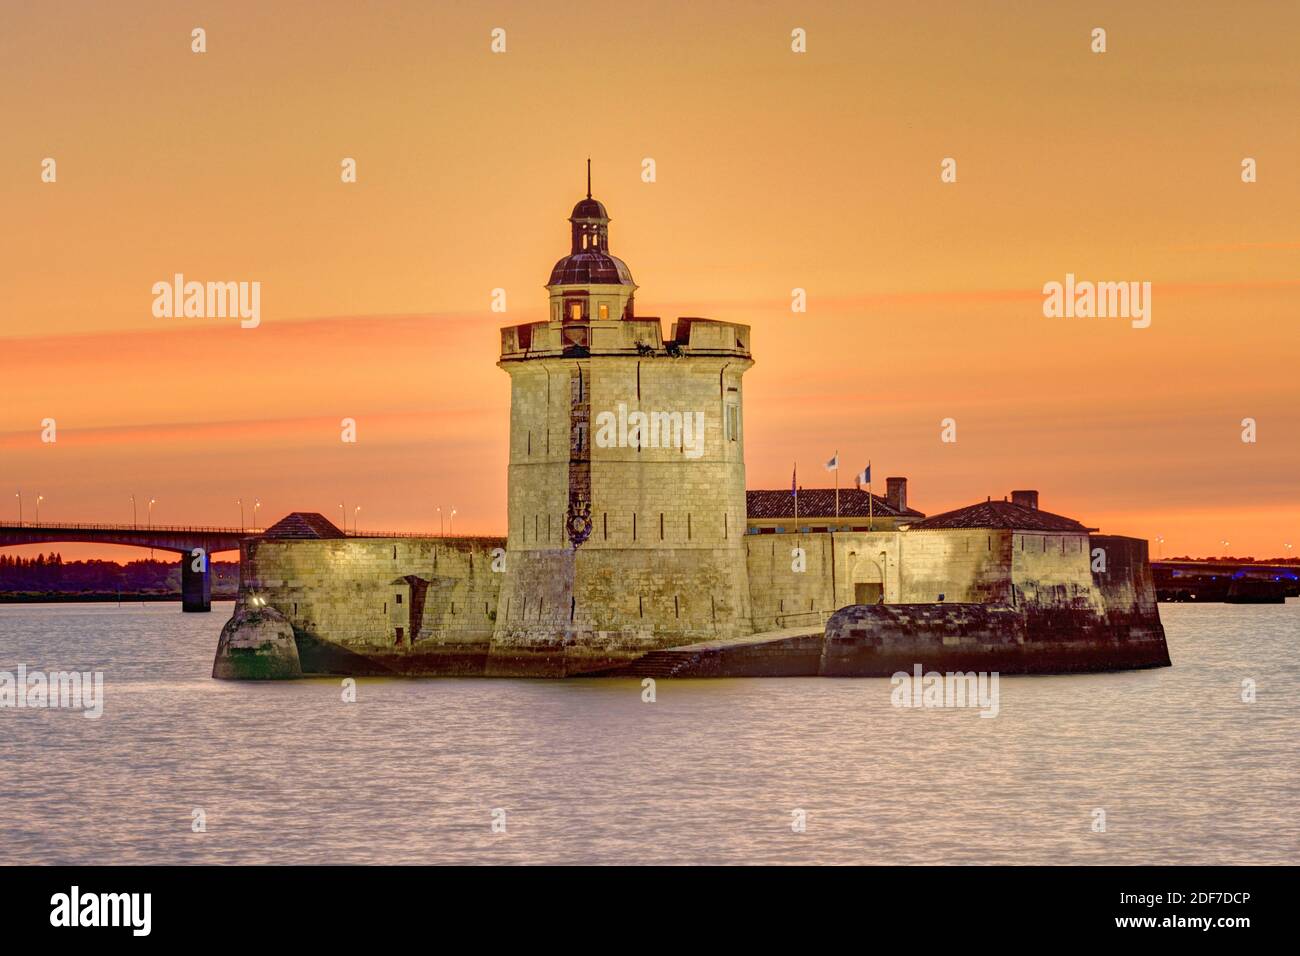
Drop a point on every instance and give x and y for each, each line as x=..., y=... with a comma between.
x=586, y=772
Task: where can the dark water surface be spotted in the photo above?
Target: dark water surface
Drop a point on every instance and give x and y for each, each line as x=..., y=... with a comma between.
x=586, y=772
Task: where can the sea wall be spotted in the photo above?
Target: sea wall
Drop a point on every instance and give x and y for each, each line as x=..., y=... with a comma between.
x=1113, y=624
x=257, y=643
x=1076, y=603
x=380, y=605
x=433, y=606
x=1127, y=588
x=802, y=579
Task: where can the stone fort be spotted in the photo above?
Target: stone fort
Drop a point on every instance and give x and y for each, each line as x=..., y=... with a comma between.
x=633, y=545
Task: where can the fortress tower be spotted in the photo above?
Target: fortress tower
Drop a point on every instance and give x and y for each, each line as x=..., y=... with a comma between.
x=626, y=497
x=629, y=536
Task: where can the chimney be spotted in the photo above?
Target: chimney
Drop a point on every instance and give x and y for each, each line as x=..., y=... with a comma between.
x=896, y=493
x=1026, y=499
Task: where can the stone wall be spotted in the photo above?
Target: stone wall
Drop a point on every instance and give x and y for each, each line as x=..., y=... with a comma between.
x=661, y=559
x=880, y=640
x=971, y=566
x=1127, y=587
x=1053, y=570
x=833, y=564
x=964, y=565
x=1012, y=602
x=342, y=598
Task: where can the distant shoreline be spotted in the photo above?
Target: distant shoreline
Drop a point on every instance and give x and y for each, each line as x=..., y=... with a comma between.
x=97, y=597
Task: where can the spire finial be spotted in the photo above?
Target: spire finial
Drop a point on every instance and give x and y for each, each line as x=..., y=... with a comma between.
x=588, y=177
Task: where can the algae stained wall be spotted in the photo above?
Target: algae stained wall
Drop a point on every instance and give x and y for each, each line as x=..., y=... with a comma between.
x=1053, y=570
x=356, y=592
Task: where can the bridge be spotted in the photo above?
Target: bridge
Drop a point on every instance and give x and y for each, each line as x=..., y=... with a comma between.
x=196, y=585
x=1220, y=579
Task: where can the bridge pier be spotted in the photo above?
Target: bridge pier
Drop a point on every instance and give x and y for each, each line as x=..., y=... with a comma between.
x=196, y=586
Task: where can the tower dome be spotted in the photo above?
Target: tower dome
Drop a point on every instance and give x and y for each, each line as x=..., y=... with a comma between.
x=589, y=261
x=589, y=209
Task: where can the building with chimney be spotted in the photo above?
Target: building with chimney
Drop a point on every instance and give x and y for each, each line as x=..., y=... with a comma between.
x=777, y=511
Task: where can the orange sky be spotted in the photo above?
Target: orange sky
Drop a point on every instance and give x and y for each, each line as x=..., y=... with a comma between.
x=775, y=170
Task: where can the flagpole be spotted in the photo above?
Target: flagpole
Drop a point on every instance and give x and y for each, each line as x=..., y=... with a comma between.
x=871, y=503
x=837, y=483
x=796, y=496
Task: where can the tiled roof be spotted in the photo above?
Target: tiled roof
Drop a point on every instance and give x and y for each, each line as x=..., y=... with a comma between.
x=820, y=503
x=590, y=268
x=1001, y=514
x=589, y=209
x=303, y=524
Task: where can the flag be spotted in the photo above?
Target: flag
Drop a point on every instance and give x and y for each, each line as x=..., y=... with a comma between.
x=865, y=477
x=834, y=463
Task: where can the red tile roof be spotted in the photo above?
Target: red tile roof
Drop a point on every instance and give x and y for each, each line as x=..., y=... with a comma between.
x=820, y=503
x=303, y=524
x=1001, y=514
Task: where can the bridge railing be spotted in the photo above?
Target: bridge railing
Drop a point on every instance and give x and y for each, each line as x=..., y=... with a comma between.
x=155, y=529
x=432, y=535
x=146, y=528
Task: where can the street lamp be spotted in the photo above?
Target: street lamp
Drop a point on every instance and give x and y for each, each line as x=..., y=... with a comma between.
x=134, y=523
x=19, y=496
x=257, y=503
x=39, y=499
x=343, y=512
x=240, y=502
x=1159, y=542
x=149, y=517
x=355, y=512
x=440, y=531
x=450, y=520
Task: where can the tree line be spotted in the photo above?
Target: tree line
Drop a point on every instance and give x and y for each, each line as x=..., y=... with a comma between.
x=50, y=574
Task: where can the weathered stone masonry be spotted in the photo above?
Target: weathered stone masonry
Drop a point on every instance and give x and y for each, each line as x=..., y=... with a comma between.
x=626, y=538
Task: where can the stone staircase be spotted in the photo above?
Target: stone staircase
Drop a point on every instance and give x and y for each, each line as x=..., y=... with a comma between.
x=665, y=663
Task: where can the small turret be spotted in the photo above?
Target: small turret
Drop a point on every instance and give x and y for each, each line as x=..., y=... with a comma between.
x=589, y=283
